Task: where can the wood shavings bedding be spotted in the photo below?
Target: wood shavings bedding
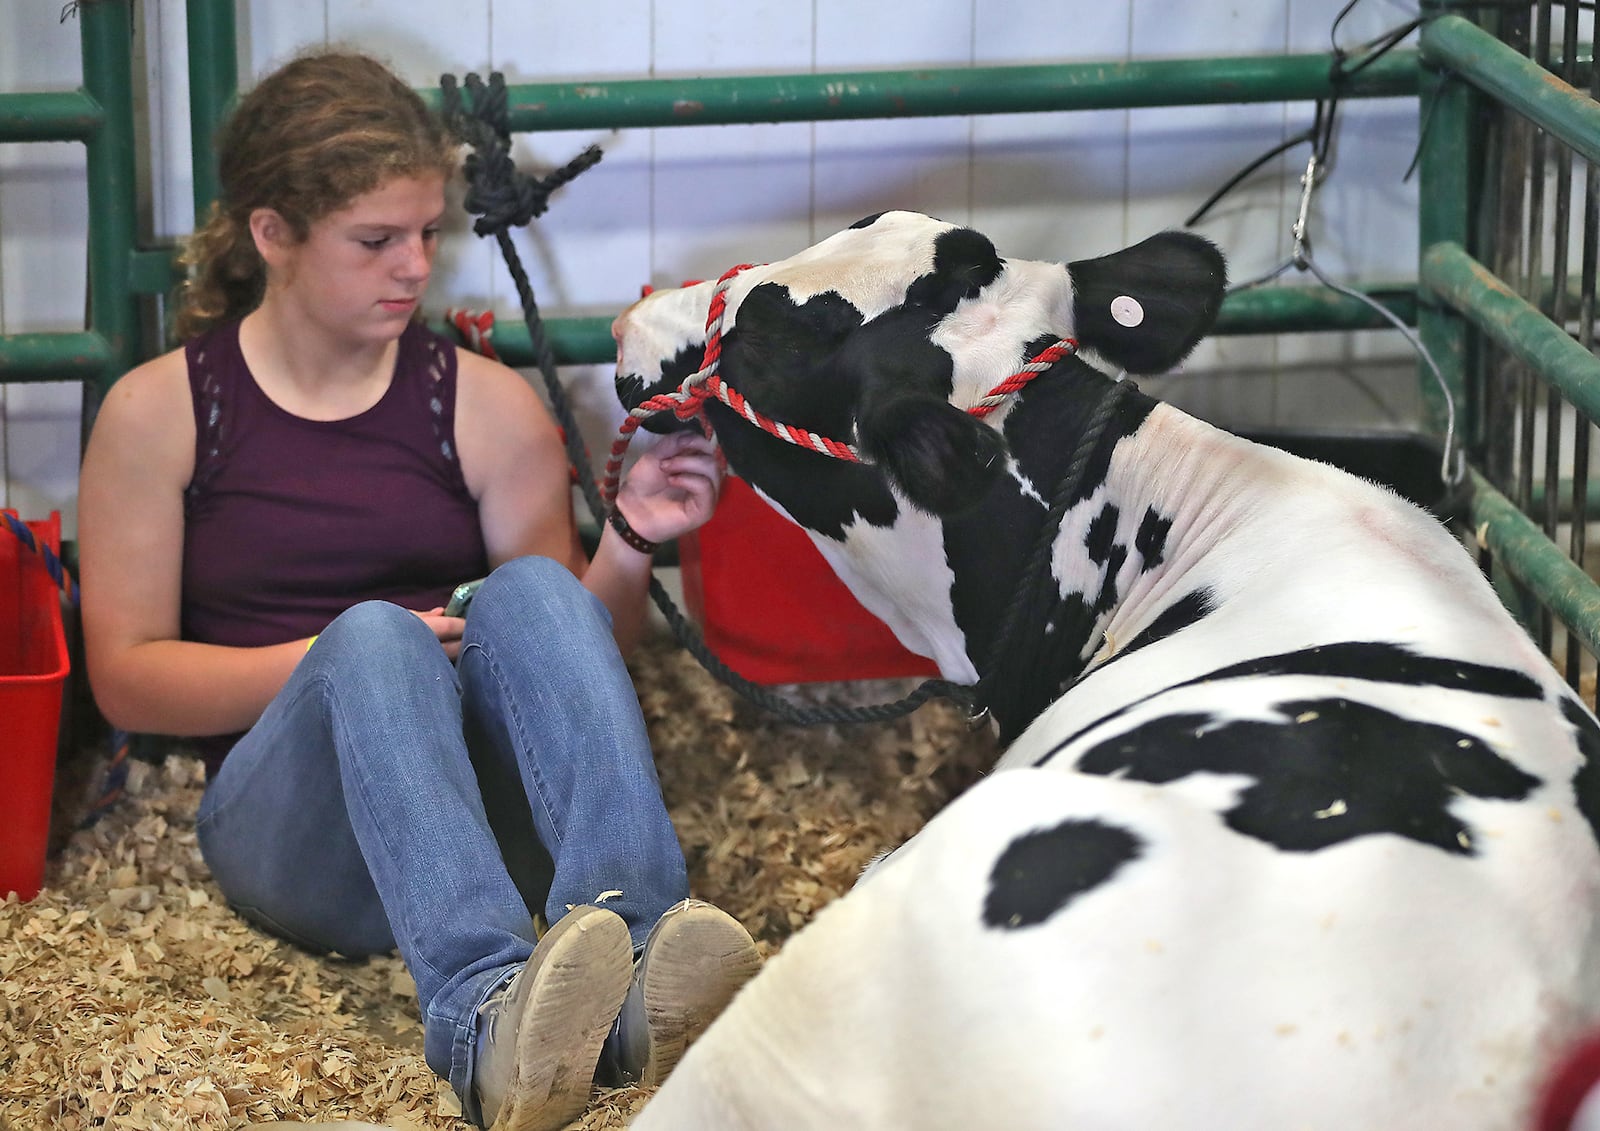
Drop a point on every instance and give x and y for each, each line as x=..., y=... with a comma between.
x=131, y=998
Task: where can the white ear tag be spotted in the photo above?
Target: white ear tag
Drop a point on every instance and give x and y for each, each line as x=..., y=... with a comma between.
x=1127, y=311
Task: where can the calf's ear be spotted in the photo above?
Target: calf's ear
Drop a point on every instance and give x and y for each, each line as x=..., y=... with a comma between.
x=941, y=458
x=1145, y=307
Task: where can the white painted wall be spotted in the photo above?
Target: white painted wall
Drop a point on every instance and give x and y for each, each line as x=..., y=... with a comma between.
x=686, y=202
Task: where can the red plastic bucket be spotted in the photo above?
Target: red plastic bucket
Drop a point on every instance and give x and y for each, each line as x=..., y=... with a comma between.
x=771, y=607
x=33, y=672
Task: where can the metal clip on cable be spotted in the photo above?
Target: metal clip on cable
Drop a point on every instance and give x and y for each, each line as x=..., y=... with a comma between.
x=1453, y=465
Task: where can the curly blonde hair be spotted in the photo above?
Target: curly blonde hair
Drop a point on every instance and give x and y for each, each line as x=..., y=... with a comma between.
x=307, y=140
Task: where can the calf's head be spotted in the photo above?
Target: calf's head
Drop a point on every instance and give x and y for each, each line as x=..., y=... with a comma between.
x=882, y=336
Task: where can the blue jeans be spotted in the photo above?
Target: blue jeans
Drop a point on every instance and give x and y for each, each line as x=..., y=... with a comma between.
x=351, y=817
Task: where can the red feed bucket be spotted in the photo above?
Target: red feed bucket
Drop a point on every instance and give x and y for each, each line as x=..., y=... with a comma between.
x=772, y=609
x=33, y=672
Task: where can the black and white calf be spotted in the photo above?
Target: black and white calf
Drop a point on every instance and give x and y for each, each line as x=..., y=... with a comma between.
x=1295, y=827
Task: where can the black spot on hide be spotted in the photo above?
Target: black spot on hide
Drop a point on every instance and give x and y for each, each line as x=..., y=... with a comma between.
x=1052, y=412
x=1370, y=661
x=1389, y=663
x=1187, y=610
x=1098, y=542
x=940, y=457
x=943, y=459
x=987, y=545
x=1586, y=783
x=783, y=358
x=1041, y=872
x=964, y=262
x=1041, y=665
x=1151, y=541
x=1327, y=772
x=867, y=221
x=632, y=392
x=1109, y=596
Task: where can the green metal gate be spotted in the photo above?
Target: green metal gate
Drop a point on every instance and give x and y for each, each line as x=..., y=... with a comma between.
x=1499, y=125
x=126, y=277
x=1475, y=324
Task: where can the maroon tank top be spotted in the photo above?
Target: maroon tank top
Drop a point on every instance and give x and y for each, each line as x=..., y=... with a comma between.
x=288, y=521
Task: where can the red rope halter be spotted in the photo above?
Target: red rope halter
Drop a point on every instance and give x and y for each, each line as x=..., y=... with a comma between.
x=687, y=401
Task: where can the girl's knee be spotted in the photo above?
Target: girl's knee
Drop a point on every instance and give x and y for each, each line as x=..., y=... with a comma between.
x=535, y=598
x=531, y=574
x=371, y=622
x=532, y=586
x=376, y=633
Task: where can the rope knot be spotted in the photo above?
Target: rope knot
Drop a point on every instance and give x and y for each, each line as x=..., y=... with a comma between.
x=497, y=192
x=695, y=394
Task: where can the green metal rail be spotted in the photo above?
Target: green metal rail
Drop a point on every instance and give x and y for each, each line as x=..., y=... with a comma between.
x=639, y=103
x=1516, y=324
x=1536, y=562
x=1460, y=295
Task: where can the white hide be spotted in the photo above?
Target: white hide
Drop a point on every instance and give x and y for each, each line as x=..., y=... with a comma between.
x=1216, y=981
x=1180, y=995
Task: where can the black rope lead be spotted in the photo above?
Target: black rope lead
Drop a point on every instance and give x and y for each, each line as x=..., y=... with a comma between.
x=501, y=196
x=1036, y=594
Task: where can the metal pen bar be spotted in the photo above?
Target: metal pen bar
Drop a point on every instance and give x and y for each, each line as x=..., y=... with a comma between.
x=1534, y=243
x=1472, y=289
x=50, y=116
x=1558, y=410
x=1566, y=490
x=107, y=40
x=213, y=81
x=1509, y=137
x=1555, y=407
x=941, y=92
x=70, y=356
x=1534, y=561
x=1446, y=164
x=1514, y=80
x=1579, y=495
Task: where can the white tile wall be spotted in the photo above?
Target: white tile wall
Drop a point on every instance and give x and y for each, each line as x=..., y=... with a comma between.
x=685, y=202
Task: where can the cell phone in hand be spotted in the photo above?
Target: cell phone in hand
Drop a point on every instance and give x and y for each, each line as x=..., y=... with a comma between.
x=461, y=597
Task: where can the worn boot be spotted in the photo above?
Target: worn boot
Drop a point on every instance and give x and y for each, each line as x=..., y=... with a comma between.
x=696, y=958
x=539, y=1038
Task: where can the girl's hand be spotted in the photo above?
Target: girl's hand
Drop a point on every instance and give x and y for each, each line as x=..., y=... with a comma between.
x=672, y=488
x=448, y=630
